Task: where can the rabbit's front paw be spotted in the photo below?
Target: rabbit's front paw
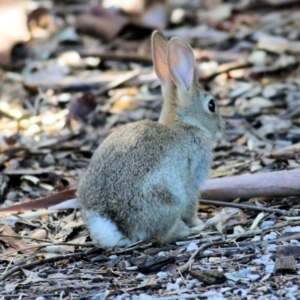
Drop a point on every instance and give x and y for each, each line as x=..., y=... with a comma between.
x=176, y=232
x=197, y=229
x=193, y=222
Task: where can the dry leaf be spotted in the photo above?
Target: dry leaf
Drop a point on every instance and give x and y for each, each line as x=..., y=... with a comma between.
x=14, y=242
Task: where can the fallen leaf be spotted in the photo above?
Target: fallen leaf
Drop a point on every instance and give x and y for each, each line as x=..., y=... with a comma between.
x=15, y=242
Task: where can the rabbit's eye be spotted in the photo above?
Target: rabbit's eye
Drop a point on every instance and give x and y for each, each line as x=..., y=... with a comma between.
x=212, y=106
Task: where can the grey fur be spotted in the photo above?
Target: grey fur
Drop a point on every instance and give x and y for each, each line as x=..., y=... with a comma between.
x=146, y=176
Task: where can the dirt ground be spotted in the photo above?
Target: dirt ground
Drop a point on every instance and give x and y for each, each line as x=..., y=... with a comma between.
x=73, y=72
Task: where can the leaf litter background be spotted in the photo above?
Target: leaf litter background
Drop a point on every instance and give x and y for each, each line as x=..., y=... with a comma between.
x=71, y=73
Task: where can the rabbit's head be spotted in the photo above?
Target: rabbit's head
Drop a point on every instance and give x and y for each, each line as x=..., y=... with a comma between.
x=185, y=102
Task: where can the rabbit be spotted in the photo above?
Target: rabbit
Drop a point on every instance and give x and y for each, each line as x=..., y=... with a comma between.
x=144, y=180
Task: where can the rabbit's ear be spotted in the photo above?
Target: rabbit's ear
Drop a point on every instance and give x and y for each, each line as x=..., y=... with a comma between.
x=181, y=62
x=159, y=55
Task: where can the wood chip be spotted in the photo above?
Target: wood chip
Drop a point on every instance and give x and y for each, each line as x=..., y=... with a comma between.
x=209, y=276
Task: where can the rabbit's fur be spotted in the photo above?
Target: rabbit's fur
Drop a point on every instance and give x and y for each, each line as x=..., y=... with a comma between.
x=144, y=180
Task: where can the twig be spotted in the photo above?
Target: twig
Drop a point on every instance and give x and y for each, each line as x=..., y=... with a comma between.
x=75, y=286
x=243, y=234
x=290, y=151
x=21, y=262
x=280, y=22
x=279, y=239
x=119, y=81
x=184, y=296
x=250, y=207
x=223, y=68
x=236, y=259
x=105, y=55
x=42, y=246
x=116, y=56
x=288, y=238
x=203, y=247
x=292, y=112
x=17, y=250
x=37, y=240
x=132, y=247
x=40, y=262
x=215, y=241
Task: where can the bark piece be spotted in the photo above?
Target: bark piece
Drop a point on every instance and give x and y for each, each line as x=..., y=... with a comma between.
x=152, y=264
x=288, y=251
x=285, y=264
x=209, y=276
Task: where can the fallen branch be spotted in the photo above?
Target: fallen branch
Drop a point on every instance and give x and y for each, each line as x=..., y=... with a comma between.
x=43, y=202
x=272, y=184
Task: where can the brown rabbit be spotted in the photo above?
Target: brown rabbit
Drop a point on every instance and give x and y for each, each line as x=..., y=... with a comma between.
x=144, y=180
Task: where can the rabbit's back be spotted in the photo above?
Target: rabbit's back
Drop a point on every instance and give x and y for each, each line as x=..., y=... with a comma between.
x=123, y=160
x=139, y=172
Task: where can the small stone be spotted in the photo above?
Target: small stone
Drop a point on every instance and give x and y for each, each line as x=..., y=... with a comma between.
x=244, y=272
x=145, y=297
x=266, y=224
x=192, y=246
x=270, y=236
x=163, y=274
x=172, y=286
x=140, y=276
x=231, y=277
x=49, y=159
x=253, y=277
x=269, y=91
x=258, y=58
